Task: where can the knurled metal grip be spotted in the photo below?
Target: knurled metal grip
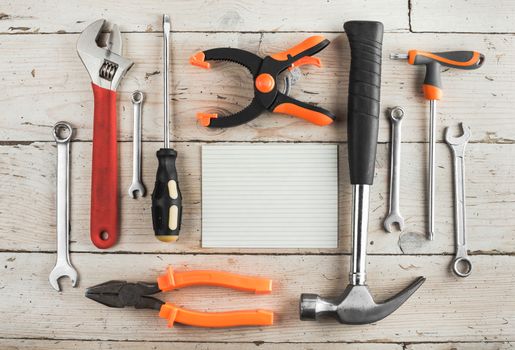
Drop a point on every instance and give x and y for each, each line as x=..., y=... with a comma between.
x=365, y=39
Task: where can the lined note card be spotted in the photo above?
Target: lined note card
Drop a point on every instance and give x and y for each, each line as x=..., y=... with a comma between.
x=270, y=196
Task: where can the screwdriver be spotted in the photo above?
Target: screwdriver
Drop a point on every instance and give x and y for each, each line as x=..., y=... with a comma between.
x=432, y=89
x=166, y=197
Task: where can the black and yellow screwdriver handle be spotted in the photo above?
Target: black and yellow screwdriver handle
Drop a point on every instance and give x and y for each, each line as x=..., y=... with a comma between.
x=434, y=60
x=166, y=198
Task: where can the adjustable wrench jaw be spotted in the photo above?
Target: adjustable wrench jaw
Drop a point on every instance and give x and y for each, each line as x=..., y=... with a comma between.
x=105, y=65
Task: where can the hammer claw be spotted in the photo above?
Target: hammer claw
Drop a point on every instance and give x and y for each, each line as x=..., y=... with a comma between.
x=356, y=305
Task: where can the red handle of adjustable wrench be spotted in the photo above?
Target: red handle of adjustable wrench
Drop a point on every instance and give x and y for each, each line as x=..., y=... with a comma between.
x=104, y=172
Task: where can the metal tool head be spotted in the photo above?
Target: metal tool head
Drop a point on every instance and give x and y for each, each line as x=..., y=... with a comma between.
x=137, y=189
x=62, y=270
x=460, y=140
x=120, y=294
x=396, y=114
x=391, y=219
x=105, y=65
x=355, y=306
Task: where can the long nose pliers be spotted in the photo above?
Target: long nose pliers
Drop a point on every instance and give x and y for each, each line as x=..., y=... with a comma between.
x=265, y=72
x=120, y=294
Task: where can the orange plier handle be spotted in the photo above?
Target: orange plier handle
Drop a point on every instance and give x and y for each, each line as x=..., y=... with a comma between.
x=172, y=280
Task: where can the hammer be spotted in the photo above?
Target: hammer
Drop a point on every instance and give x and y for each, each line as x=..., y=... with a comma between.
x=356, y=305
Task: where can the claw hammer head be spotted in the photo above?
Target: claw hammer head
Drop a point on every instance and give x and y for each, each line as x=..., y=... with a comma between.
x=105, y=65
x=355, y=306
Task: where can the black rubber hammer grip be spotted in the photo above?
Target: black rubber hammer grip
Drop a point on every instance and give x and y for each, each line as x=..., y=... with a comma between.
x=365, y=39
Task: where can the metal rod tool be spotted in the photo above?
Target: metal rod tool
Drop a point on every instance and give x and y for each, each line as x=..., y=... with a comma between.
x=166, y=197
x=394, y=216
x=432, y=88
x=63, y=268
x=137, y=185
x=356, y=305
x=461, y=265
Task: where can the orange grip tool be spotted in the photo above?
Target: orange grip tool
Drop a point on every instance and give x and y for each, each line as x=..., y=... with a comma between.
x=434, y=61
x=215, y=319
x=432, y=89
x=120, y=294
x=265, y=72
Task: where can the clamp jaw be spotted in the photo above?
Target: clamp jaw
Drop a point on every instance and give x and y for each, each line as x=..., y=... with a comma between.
x=105, y=66
x=265, y=72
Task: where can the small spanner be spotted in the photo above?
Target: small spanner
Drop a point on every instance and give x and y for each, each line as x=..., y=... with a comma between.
x=394, y=216
x=137, y=185
x=62, y=134
x=461, y=265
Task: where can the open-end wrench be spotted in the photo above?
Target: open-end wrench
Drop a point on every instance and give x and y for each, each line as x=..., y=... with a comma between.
x=106, y=68
x=137, y=186
x=461, y=266
x=394, y=216
x=63, y=268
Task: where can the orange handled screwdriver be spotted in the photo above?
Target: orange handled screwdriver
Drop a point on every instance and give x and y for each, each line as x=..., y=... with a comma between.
x=432, y=89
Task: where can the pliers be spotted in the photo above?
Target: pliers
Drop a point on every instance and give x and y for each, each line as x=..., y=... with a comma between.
x=120, y=294
x=265, y=72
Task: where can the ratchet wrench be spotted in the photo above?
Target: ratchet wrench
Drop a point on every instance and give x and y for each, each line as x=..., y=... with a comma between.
x=137, y=185
x=394, y=216
x=461, y=265
x=62, y=134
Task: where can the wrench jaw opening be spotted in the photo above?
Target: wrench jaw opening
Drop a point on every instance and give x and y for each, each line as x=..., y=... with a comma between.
x=391, y=220
x=105, y=65
x=63, y=270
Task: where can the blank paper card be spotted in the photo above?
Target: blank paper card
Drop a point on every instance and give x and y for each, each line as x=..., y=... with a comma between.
x=270, y=195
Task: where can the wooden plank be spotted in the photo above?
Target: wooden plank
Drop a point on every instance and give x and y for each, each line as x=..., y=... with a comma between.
x=25, y=16
x=461, y=346
x=462, y=16
x=20, y=344
x=47, y=82
x=445, y=309
x=28, y=212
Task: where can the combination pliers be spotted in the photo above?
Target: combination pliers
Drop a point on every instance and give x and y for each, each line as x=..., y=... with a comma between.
x=120, y=294
x=265, y=72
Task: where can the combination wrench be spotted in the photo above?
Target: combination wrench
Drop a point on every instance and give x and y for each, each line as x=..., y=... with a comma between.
x=62, y=134
x=461, y=266
x=394, y=216
x=137, y=186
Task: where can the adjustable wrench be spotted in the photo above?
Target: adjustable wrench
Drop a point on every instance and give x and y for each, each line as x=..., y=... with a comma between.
x=461, y=265
x=137, y=186
x=106, y=68
x=394, y=216
x=63, y=267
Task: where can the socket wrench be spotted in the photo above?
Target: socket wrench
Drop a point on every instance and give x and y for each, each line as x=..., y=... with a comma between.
x=63, y=268
x=461, y=266
x=394, y=217
x=137, y=186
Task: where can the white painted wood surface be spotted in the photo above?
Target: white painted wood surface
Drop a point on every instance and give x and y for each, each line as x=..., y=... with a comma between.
x=43, y=81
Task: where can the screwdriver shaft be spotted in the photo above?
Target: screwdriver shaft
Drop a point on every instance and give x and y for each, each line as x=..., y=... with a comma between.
x=166, y=79
x=432, y=168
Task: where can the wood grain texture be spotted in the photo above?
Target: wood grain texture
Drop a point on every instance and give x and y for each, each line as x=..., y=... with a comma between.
x=43, y=81
x=463, y=16
x=21, y=344
x=47, y=82
x=25, y=16
x=29, y=171
x=448, y=313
